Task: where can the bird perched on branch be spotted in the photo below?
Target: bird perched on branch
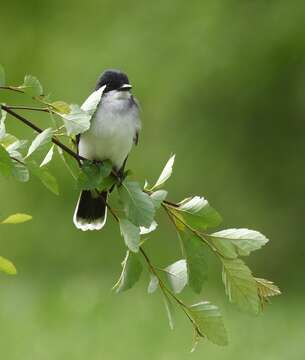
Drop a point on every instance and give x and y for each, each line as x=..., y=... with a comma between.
x=113, y=130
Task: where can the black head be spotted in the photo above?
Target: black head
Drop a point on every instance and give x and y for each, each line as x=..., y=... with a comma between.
x=114, y=80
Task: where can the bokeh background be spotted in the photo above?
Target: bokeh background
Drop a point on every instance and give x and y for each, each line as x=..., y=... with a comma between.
x=222, y=85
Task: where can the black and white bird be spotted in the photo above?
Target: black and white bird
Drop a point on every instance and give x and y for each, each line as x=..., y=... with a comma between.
x=114, y=128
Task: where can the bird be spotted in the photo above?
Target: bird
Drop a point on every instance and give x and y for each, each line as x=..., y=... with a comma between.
x=114, y=129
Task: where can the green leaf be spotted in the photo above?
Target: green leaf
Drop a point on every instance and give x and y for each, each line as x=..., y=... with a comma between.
x=20, y=172
x=178, y=220
x=77, y=121
x=158, y=197
x=198, y=214
x=132, y=269
x=61, y=107
x=92, y=102
x=197, y=268
x=131, y=234
x=6, y=165
x=7, y=266
x=93, y=174
x=17, y=219
x=137, y=205
x=107, y=182
x=2, y=76
x=233, y=242
x=153, y=284
x=240, y=285
x=166, y=173
x=177, y=275
x=209, y=322
x=48, y=157
x=40, y=140
x=31, y=86
x=223, y=247
x=47, y=179
x=169, y=310
x=2, y=123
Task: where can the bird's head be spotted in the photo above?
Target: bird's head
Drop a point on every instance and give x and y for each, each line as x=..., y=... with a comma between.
x=114, y=80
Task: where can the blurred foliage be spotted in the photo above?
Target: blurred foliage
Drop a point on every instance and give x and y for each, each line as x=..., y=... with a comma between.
x=222, y=84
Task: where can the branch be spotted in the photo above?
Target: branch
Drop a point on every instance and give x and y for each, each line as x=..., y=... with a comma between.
x=12, y=88
x=37, y=129
x=32, y=108
x=65, y=148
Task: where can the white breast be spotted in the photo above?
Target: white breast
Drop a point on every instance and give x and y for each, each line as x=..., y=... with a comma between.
x=113, y=129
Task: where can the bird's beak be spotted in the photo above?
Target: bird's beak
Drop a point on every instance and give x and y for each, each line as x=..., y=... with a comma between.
x=125, y=87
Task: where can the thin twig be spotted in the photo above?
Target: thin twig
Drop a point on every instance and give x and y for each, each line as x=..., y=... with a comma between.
x=39, y=130
x=12, y=88
x=171, y=203
x=32, y=108
x=17, y=160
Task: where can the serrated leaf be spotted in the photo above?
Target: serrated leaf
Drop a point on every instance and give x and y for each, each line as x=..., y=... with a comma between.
x=153, y=226
x=153, y=284
x=92, y=102
x=131, y=234
x=77, y=121
x=169, y=310
x=7, y=266
x=20, y=172
x=198, y=214
x=177, y=275
x=166, y=173
x=6, y=165
x=17, y=219
x=31, y=86
x=240, y=285
x=47, y=179
x=234, y=242
x=209, y=322
x=266, y=289
x=61, y=107
x=40, y=140
x=2, y=123
x=132, y=269
x=93, y=174
x=137, y=205
x=48, y=157
x=2, y=76
x=197, y=267
x=158, y=197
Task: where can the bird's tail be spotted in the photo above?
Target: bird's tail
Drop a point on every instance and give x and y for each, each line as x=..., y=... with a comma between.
x=91, y=211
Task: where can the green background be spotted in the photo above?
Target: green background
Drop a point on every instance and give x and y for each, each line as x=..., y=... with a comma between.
x=222, y=85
